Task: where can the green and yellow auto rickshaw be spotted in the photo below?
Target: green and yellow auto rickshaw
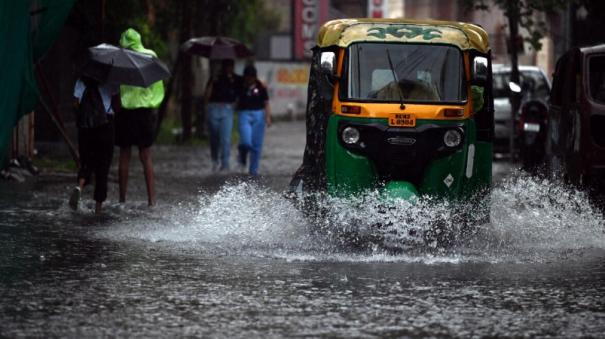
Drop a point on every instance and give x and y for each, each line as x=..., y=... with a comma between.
x=401, y=106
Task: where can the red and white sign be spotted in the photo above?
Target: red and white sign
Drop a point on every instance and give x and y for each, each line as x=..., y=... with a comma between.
x=377, y=8
x=308, y=17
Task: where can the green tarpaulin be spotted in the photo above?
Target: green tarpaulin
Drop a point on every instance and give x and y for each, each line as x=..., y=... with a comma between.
x=27, y=30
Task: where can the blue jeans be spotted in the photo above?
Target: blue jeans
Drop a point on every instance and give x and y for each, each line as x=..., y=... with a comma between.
x=220, y=124
x=251, y=134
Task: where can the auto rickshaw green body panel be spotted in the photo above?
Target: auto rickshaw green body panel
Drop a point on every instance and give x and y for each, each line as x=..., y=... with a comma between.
x=455, y=176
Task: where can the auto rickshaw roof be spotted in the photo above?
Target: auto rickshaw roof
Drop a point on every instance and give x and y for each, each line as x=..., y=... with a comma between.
x=344, y=32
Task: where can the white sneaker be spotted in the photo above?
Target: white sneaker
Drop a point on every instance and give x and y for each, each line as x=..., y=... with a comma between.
x=74, y=198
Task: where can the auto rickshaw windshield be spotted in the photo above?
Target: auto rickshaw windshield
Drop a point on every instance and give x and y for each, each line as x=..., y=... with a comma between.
x=425, y=73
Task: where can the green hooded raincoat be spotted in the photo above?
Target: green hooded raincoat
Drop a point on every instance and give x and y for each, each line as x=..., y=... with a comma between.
x=133, y=97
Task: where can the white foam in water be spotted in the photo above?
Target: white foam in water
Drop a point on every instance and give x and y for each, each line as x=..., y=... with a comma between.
x=532, y=213
x=246, y=215
x=395, y=221
x=238, y=216
x=528, y=216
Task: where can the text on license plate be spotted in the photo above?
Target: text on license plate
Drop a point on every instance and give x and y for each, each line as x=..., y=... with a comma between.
x=402, y=120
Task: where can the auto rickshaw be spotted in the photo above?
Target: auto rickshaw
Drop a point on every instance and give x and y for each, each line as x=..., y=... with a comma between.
x=401, y=106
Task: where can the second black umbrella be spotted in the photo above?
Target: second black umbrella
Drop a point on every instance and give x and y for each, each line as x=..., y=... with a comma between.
x=214, y=47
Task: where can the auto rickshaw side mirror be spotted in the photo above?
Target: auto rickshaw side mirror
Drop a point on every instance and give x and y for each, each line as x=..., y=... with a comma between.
x=328, y=64
x=328, y=61
x=480, y=72
x=327, y=74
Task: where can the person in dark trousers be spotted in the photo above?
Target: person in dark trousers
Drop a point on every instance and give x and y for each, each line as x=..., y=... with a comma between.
x=221, y=93
x=253, y=115
x=94, y=118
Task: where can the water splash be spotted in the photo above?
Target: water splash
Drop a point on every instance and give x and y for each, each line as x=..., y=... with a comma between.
x=246, y=215
x=534, y=213
x=395, y=224
x=239, y=216
x=531, y=219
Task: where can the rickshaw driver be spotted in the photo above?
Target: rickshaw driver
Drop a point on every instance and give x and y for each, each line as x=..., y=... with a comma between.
x=409, y=89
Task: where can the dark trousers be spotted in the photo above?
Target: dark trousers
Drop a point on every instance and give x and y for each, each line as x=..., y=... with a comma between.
x=96, y=152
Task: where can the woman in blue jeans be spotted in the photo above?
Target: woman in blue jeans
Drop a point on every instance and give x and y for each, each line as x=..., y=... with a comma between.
x=221, y=93
x=254, y=113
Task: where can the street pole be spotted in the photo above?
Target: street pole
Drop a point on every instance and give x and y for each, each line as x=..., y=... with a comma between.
x=102, y=21
x=513, y=23
x=186, y=73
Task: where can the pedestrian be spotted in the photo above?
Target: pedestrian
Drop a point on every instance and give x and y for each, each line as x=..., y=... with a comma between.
x=94, y=119
x=135, y=122
x=221, y=93
x=253, y=114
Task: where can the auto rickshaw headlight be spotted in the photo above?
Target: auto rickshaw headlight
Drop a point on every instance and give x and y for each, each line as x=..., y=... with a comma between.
x=350, y=135
x=452, y=138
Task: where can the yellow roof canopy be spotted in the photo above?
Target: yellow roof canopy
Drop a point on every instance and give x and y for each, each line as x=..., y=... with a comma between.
x=344, y=32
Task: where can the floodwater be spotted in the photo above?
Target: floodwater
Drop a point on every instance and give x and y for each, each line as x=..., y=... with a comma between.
x=221, y=256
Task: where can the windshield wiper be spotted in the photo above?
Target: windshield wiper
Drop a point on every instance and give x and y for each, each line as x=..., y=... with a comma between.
x=402, y=104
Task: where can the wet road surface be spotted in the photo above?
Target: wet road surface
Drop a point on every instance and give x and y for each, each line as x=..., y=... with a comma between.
x=221, y=256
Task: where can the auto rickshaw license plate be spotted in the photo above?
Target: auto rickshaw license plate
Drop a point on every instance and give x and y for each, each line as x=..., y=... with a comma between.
x=402, y=120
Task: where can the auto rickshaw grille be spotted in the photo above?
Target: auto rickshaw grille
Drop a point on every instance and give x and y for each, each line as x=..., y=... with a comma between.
x=401, y=153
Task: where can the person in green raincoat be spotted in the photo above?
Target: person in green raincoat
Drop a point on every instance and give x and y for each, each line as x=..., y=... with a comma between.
x=135, y=123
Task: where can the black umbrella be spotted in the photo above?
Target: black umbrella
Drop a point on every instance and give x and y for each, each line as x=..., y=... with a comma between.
x=214, y=47
x=111, y=64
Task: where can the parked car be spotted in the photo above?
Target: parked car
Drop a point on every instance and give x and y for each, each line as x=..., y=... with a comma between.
x=535, y=86
x=575, y=144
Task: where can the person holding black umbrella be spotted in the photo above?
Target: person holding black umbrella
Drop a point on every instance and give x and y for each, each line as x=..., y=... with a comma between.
x=94, y=119
x=221, y=93
x=135, y=123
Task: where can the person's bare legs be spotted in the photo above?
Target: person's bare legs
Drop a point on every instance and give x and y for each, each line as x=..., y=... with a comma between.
x=145, y=157
x=123, y=171
x=76, y=193
x=81, y=183
x=98, y=207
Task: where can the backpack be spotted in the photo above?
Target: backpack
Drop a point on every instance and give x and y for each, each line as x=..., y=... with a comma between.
x=91, y=113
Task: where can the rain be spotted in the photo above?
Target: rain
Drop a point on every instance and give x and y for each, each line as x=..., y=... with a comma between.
x=305, y=245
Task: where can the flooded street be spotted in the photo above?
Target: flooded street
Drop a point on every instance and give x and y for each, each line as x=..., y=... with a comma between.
x=222, y=256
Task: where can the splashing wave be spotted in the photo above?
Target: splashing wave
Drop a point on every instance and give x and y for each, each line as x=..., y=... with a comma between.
x=529, y=217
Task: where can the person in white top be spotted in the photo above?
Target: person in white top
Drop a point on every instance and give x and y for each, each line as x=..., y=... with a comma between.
x=94, y=118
